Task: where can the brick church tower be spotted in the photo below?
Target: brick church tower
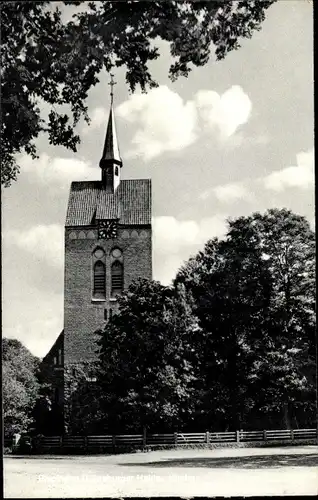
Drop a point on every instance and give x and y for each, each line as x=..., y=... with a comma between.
x=108, y=244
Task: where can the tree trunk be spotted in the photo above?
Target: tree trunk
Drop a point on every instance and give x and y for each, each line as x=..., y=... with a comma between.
x=287, y=421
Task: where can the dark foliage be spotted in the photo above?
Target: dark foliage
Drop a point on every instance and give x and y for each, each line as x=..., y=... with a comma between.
x=45, y=61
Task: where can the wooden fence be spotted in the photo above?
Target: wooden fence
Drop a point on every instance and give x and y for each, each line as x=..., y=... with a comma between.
x=109, y=443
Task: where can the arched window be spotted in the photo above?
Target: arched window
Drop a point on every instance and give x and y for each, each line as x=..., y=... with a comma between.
x=117, y=277
x=99, y=280
x=116, y=170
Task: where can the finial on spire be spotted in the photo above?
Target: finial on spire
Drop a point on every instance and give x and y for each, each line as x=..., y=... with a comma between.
x=111, y=155
x=112, y=83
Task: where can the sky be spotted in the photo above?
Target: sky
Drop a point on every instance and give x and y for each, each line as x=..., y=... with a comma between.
x=235, y=137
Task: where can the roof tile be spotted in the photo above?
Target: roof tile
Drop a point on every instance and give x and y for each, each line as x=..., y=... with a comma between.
x=131, y=203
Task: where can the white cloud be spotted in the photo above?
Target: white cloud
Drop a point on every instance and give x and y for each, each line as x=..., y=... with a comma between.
x=99, y=116
x=171, y=235
x=298, y=176
x=175, y=241
x=44, y=242
x=164, y=122
x=225, y=112
x=230, y=193
x=60, y=171
x=241, y=140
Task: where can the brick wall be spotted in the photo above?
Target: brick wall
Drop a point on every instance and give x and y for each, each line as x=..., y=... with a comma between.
x=82, y=314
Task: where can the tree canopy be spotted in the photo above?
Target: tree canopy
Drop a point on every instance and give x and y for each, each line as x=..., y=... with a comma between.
x=254, y=297
x=148, y=367
x=19, y=385
x=47, y=60
x=231, y=344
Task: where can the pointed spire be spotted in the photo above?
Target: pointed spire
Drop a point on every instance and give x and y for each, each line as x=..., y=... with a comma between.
x=111, y=152
x=111, y=148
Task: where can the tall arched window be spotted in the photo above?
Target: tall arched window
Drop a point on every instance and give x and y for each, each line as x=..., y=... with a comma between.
x=117, y=278
x=99, y=280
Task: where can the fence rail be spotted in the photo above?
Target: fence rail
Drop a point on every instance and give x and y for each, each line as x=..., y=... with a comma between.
x=106, y=443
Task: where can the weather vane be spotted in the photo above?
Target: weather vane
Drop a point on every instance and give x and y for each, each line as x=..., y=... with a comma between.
x=112, y=83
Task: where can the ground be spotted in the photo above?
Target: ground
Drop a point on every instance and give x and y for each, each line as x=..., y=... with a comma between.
x=186, y=473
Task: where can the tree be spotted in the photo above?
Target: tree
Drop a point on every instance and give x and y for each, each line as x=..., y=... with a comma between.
x=288, y=250
x=148, y=366
x=231, y=344
x=19, y=385
x=229, y=286
x=44, y=59
x=254, y=296
x=83, y=412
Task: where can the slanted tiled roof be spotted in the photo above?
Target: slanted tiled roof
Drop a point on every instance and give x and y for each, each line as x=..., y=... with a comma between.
x=82, y=203
x=108, y=206
x=135, y=201
x=131, y=203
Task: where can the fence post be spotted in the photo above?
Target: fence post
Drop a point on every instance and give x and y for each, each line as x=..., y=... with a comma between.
x=86, y=443
x=114, y=442
x=175, y=438
x=144, y=438
x=237, y=436
x=292, y=434
x=207, y=437
x=61, y=442
x=265, y=435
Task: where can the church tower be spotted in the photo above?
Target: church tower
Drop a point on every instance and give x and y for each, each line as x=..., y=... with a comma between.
x=108, y=244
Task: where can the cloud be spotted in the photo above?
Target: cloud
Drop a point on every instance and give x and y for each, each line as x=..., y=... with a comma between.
x=164, y=122
x=44, y=242
x=225, y=112
x=56, y=171
x=299, y=176
x=171, y=235
x=99, y=116
x=241, y=140
x=230, y=193
x=175, y=241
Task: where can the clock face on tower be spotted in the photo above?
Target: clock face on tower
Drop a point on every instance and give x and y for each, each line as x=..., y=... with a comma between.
x=107, y=229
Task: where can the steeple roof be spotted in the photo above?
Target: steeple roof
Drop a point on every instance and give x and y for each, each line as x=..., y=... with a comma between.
x=111, y=149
